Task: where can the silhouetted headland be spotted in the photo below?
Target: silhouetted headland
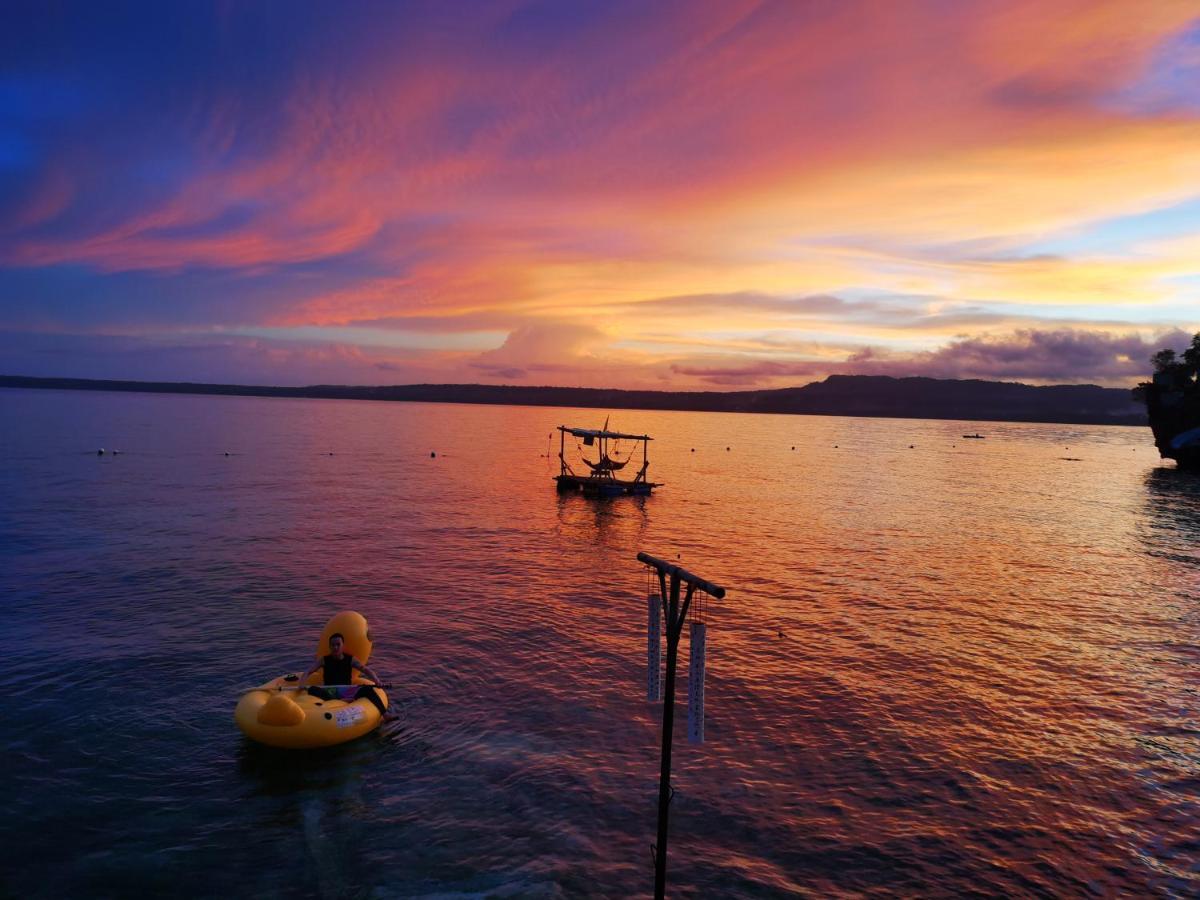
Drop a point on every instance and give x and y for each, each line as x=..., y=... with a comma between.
x=838, y=395
x=1172, y=401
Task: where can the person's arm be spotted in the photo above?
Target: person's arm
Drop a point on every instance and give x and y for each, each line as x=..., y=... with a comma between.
x=366, y=671
x=312, y=669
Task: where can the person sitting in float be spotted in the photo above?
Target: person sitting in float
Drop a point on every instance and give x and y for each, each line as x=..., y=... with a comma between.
x=338, y=674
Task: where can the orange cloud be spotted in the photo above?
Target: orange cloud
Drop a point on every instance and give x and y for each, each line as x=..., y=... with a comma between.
x=565, y=186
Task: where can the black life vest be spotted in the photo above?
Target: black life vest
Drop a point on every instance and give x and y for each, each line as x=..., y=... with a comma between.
x=338, y=671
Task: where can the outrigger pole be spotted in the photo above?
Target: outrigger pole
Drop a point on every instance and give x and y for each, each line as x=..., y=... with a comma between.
x=675, y=614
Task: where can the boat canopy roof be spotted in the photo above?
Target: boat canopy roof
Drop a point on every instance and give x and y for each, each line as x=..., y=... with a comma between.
x=602, y=433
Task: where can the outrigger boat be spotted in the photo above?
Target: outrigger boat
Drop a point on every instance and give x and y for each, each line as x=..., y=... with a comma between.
x=601, y=479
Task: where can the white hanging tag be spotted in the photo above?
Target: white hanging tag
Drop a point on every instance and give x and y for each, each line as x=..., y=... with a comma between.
x=696, y=684
x=653, y=647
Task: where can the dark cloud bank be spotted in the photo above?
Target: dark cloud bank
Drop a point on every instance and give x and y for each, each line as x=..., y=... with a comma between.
x=1064, y=356
x=1029, y=356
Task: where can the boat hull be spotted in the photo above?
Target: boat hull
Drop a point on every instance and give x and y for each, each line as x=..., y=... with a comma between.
x=300, y=721
x=602, y=487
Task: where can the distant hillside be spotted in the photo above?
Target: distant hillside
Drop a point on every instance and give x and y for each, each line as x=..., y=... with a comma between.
x=837, y=395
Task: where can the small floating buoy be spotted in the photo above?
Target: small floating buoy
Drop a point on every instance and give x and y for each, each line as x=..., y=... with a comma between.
x=726, y=449
x=835, y=446
x=911, y=447
x=100, y=452
x=226, y=452
x=693, y=449
x=432, y=455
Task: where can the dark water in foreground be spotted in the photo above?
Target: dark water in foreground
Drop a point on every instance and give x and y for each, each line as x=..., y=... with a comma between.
x=968, y=667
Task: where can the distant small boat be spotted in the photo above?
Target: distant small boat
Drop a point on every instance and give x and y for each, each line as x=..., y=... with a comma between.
x=975, y=437
x=602, y=482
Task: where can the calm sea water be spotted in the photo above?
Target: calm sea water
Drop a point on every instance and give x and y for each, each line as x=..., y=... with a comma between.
x=956, y=667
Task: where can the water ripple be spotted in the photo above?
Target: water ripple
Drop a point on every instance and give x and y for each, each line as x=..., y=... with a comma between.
x=941, y=671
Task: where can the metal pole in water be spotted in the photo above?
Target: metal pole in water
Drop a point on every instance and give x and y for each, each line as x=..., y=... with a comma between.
x=668, y=727
x=675, y=615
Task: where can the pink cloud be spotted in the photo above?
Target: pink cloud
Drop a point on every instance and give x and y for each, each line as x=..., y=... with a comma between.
x=552, y=180
x=709, y=103
x=1028, y=355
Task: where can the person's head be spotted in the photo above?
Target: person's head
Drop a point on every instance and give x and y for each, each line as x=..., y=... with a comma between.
x=336, y=642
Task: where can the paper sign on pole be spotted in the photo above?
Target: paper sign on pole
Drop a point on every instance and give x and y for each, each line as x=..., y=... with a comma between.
x=654, y=647
x=696, y=684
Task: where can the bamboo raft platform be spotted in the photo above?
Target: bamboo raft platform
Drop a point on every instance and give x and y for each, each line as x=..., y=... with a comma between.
x=601, y=480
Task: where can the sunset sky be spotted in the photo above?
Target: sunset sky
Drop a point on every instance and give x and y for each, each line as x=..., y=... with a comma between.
x=655, y=195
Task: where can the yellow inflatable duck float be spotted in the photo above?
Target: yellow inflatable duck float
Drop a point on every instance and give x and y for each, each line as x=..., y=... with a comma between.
x=281, y=713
